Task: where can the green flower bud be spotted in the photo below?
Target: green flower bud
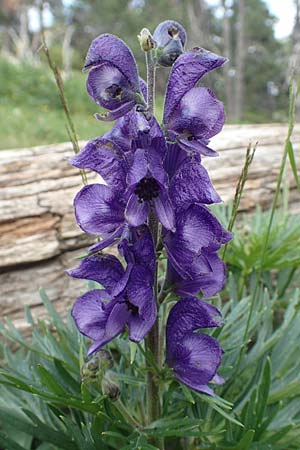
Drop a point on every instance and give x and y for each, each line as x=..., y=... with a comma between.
x=146, y=40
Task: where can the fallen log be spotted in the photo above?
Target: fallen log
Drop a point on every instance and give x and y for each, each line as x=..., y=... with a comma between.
x=39, y=238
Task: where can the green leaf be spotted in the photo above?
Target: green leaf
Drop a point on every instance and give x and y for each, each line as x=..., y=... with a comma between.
x=293, y=162
x=133, y=348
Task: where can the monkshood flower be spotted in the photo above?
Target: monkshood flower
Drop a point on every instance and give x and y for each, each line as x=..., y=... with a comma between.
x=138, y=174
x=127, y=298
x=170, y=39
x=198, y=234
x=208, y=280
x=194, y=357
x=193, y=115
x=113, y=80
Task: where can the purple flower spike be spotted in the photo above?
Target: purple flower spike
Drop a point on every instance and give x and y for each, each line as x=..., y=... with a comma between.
x=113, y=81
x=194, y=358
x=186, y=72
x=128, y=297
x=170, y=38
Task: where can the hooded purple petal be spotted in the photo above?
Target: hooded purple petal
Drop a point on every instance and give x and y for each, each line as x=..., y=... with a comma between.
x=190, y=314
x=97, y=209
x=170, y=38
x=138, y=248
x=108, y=48
x=104, y=157
x=194, y=358
x=104, y=269
x=185, y=73
x=199, y=112
x=191, y=184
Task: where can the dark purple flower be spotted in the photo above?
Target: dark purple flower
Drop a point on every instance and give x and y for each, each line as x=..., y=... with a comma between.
x=113, y=81
x=170, y=39
x=194, y=358
x=209, y=282
x=193, y=115
x=198, y=233
x=147, y=181
x=127, y=297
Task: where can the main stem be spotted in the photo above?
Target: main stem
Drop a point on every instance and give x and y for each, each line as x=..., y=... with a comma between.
x=152, y=340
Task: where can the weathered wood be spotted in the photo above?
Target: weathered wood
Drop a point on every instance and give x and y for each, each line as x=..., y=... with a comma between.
x=39, y=238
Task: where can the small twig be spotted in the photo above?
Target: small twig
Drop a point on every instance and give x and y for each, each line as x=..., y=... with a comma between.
x=59, y=83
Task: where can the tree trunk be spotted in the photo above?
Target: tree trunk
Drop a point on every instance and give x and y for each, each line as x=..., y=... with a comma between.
x=240, y=62
x=227, y=67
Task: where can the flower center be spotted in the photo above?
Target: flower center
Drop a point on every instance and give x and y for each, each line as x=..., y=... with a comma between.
x=134, y=309
x=147, y=189
x=114, y=91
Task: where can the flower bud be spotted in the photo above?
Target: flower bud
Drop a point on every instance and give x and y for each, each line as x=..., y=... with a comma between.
x=170, y=38
x=146, y=40
x=96, y=366
x=110, y=388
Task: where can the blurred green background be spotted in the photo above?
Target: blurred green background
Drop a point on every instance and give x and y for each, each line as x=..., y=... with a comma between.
x=253, y=85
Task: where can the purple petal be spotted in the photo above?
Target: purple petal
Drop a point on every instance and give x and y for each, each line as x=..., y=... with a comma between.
x=196, y=360
x=138, y=248
x=104, y=157
x=111, y=239
x=191, y=184
x=175, y=157
x=97, y=209
x=104, y=269
x=163, y=33
x=117, y=320
x=199, y=112
x=90, y=314
x=195, y=146
x=164, y=210
x=140, y=294
x=140, y=327
x=109, y=48
x=190, y=314
x=208, y=283
x=136, y=212
x=139, y=168
x=185, y=73
x=116, y=114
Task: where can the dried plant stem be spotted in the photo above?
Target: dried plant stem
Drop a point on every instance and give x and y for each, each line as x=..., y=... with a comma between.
x=240, y=188
x=60, y=87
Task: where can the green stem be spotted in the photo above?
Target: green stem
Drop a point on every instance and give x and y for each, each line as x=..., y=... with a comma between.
x=152, y=341
x=127, y=416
